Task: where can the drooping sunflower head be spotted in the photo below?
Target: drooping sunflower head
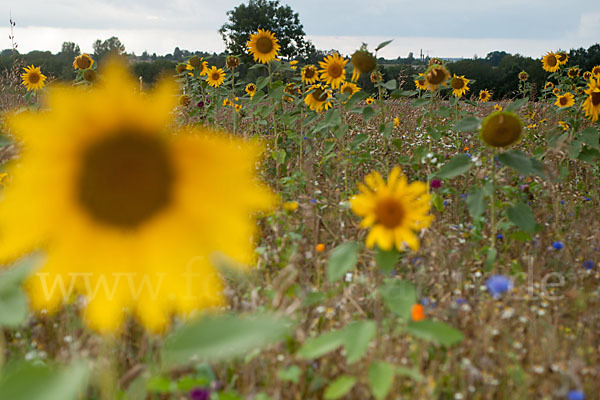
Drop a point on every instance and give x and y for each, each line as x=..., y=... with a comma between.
x=333, y=70
x=376, y=76
x=251, y=89
x=485, y=96
x=587, y=75
x=90, y=75
x=562, y=57
x=310, y=75
x=232, y=62
x=130, y=202
x=349, y=88
x=565, y=100
x=184, y=100
x=591, y=105
x=181, y=68
x=215, y=76
x=394, y=210
x=436, y=76
x=195, y=61
x=523, y=76
x=501, y=129
x=459, y=85
x=550, y=62
x=421, y=82
x=596, y=71
x=83, y=61
x=549, y=85
x=556, y=91
x=573, y=72
x=363, y=62
x=436, y=61
x=318, y=98
x=32, y=78
x=263, y=46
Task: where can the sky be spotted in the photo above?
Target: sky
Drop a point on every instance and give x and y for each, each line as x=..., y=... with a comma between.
x=448, y=28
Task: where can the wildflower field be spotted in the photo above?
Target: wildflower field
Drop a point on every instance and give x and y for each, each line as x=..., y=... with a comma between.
x=295, y=237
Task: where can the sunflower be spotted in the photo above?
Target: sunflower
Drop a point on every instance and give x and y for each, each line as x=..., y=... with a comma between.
x=376, y=76
x=184, y=100
x=497, y=107
x=396, y=122
x=501, y=129
x=227, y=102
x=587, y=75
x=202, y=67
x=363, y=62
x=591, y=105
x=573, y=72
x=565, y=100
x=485, y=96
x=130, y=204
x=562, y=57
x=436, y=76
x=310, y=74
x=563, y=125
x=181, y=68
x=394, y=210
x=232, y=62
x=549, y=85
x=317, y=98
x=550, y=62
x=523, y=76
x=333, y=70
x=33, y=79
x=556, y=91
x=195, y=61
x=251, y=89
x=596, y=71
x=83, y=61
x=90, y=75
x=215, y=76
x=293, y=64
x=459, y=85
x=369, y=100
x=420, y=82
x=263, y=46
x=237, y=107
x=349, y=88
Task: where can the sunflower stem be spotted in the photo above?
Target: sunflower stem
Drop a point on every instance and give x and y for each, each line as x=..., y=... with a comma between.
x=2, y=349
x=107, y=369
x=493, y=198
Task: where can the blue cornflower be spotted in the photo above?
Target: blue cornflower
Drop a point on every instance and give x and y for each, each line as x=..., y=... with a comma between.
x=576, y=395
x=313, y=201
x=467, y=154
x=446, y=202
x=460, y=301
x=588, y=264
x=498, y=284
x=587, y=199
x=562, y=202
x=557, y=245
x=499, y=236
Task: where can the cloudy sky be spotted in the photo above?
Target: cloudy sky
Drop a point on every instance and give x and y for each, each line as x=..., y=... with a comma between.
x=441, y=28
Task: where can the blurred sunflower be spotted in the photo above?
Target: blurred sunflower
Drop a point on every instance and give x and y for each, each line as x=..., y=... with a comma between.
x=238, y=107
x=349, y=88
x=573, y=72
x=396, y=122
x=202, y=68
x=563, y=125
x=376, y=76
x=587, y=75
x=459, y=85
x=318, y=98
x=501, y=129
x=556, y=91
x=394, y=210
x=523, y=76
x=129, y=202
x=369, y=100
x=363, y=62
x=565, y=100
x=549, y=85
x=596, y=71
x=90, y=75
x=310, y=74
x=333, y=70
x=251, y=89
x=562, y=57
x=215, y=77
x=420, y=82
x=181, y=68
x=184, y=100
x=485, y=96
x=232, y=62
x=33, y=79
x=263, y=46
x=83, y=61
x=293, y=64
x=550, y=62
x=497, y=107
x=591, y=105
x=436, y=76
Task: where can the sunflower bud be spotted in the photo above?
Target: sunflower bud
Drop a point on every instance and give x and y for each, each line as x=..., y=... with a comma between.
x=195, y=61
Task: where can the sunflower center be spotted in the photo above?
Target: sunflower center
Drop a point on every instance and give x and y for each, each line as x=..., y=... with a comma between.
x=319, y=94
x=309, y=73
x=389, y=212
x=552, y=61
x=264, y=45
x=125, y=179
x=334, y=70
x=34, y=77
x=563, y=101
x=347, y=90
x=83, y=62
x=457, y=84
x=251, y=88
x=436, y=76
x=215, y=76
x=595, y=98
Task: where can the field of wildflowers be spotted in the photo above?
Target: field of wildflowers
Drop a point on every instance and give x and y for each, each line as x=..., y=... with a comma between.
x=295, y=237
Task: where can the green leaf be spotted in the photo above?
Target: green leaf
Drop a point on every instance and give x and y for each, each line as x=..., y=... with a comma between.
x=437, y=332
x=321, y=345
x=383, y=44
x=589, y=136
x=290, y=374
x=261, y=82
x=339, y=387
x=358, y=140
x=386, y=129
x=13, y=301
x=390, y=85
x=516, y=105
x=341, y=260
x=381, y=378
x=218, y=337
x=588, y=155
x=357, y=336
x=399, y=296
x=523, y=164
x=257, y=98
x=411, y=373
x=521, y=215
x=490, y=258
x=368, y=113
x=458, y=165
x=402, y=93
x=276, y=93
x=37, y=382
x=386, y=259
x=356, y=97
x=468, y=124
x=419, y=102
x=476, y=202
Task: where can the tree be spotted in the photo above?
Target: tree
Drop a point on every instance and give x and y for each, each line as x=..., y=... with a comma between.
x=110, y=46
x=70, y=49
x=266, y=14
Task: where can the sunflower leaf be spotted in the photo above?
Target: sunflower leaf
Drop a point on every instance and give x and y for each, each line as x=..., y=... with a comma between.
x=521, y=215
x=357, y=336
x=383, y=44
x=516, y=105
x=458, y=165
x=437, y=332
x=381, y=378
x=339, y=387
x=341, y=260
x=523, y=164
x=476, y=202
x=399, y=296
x=319, y=346
x=468, y=124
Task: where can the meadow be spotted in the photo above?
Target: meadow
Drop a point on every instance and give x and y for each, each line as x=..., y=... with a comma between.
x=295, y=237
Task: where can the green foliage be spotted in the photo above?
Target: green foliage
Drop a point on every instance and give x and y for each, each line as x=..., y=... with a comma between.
x=341, y=260
x=381, y=378
x=437, y=332
x=339, y=387
x=399, y=296
x=458, y=165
